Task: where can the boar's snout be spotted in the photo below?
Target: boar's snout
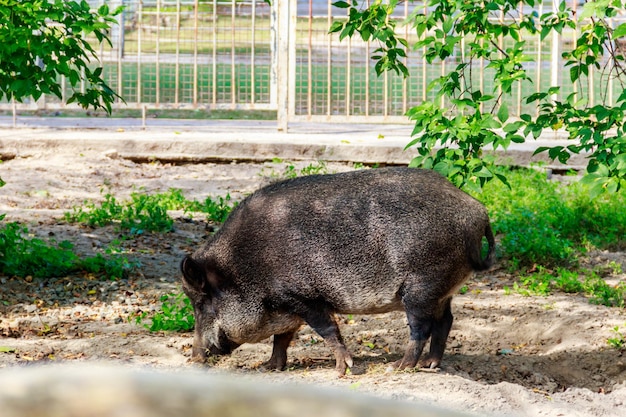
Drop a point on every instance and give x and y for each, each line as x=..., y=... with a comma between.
x=204, y=347
x=198, y=353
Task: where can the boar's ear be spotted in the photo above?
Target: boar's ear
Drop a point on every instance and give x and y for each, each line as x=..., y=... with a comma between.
x=200, y=277
x=193, y=274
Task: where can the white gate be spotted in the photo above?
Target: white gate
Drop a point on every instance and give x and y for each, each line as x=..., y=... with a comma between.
x=231, y=54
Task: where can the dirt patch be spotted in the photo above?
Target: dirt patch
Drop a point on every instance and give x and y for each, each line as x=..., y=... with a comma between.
x=506, y=353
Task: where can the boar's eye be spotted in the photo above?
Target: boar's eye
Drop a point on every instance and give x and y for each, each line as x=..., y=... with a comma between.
x=207, y=307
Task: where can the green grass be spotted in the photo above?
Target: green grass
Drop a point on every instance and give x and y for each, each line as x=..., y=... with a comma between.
x=175, y=314
x=618, y=341
x=142, y=213
x=22, y=256
x=290, y=170
x=162, y=113
x=147, y=212
x=578, y=281
x=218, y=82
x=216, y=209
x=216, y=85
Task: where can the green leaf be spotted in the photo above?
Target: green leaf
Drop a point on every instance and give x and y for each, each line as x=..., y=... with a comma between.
x=554, y=90
x=341, y=4
x=412, y=143
x=526, y=117
x=483, y=173
x=64, y=37
x=596, y=184
x=619, y=164
x=103, y=10
x=335, y=27
x=536, y=97
x=503, y=113
x=348, y=30
x=589, y=9
x=517, y=138
x=554, y=152
x=575, y=72
x=619, y=31
x=503, y=179
x=512, y=127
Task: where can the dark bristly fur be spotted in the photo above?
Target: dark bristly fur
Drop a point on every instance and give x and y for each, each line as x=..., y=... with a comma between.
x=361, y=242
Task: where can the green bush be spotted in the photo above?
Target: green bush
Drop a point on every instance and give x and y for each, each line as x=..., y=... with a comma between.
x=542, y=222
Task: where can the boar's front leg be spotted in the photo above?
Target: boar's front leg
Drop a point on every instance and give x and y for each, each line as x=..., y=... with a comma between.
x=324, y=323
x=278, y=360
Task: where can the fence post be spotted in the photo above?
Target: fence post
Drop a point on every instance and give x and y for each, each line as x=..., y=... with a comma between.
x=292, y=50
x=273, y=53
x=284, y=41
x=555, y=54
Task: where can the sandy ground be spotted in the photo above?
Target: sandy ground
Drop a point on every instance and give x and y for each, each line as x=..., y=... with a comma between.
x=506, y=355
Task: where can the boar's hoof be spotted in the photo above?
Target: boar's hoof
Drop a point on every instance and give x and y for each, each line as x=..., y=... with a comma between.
x=199, y=355
x=273, y=364
x=344, y=361
x=198, y=359
x=405, y=363
x=430, y=362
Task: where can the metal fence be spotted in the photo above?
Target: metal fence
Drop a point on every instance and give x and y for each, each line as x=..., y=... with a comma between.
x=231, y=54
x=190, y=53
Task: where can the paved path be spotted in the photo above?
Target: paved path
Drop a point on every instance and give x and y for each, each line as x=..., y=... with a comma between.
x=228, y=140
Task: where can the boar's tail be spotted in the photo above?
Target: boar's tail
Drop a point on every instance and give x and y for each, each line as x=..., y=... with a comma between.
x=478, y=263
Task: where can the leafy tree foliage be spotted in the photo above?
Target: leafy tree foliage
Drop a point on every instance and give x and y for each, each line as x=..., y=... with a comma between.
x=45, y=39
x=2, y=184
x=451, y=139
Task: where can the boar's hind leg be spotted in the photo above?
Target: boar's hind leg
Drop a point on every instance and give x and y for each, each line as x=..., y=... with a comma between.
x=324, y=323
x=278, y=360
x=427, y=315
x=421, y=326
x=440, y=331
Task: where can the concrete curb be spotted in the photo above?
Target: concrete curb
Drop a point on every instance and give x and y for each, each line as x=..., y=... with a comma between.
x=190, y=141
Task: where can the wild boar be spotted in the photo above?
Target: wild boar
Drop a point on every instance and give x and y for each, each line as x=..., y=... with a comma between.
x=361, y=242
